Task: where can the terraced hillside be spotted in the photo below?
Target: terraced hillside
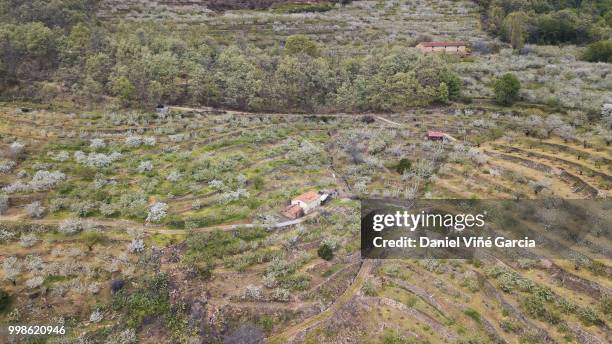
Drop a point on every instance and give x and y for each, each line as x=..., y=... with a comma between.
x=222, y=263
x=181, y=9
x=550, y=75
x=359, y=22
x=149, y=151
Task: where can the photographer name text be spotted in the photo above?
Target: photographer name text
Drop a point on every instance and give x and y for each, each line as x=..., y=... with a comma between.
x=455, y=242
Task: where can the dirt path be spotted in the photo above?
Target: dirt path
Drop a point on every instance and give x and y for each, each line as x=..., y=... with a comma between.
x=154, y=229
x=388, y=121
x=277, y=225
x=311, y=322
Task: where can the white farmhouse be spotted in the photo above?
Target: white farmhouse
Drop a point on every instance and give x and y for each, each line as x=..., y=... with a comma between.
x=307, y=201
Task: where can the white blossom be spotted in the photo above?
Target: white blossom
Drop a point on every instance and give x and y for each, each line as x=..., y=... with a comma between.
x=5, y=235
x=28, y=240
x=231, y=196
x=136, y=245
x=7, y=166
x=477, y=157
x=71, y=226
x=127, y=337
x=216, y=184
x=281, y=294
x=34, y=282
x=149, y=141
x=45, y=180
x=157, y=212
x=12, y=268
x=97, y=144
x=61, y=156
x=15, y=187
x=116, y=156
x=16, y=148
x=96, y=316
x=97, y=159
x=35, y=209
x=253, y=293
x=361, y=187
x=80, y=157
x=94, y=288
x=174, y=176
x=145, y=166
x=133, y=141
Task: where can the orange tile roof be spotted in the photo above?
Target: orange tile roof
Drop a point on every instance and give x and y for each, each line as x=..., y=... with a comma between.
x=293, y=211
x=435, y=134
x=307, y=197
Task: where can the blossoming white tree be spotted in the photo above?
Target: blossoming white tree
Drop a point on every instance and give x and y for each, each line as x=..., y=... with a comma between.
x=157, y=212
x=136, y=245
x=35, y=209
x=97, y=144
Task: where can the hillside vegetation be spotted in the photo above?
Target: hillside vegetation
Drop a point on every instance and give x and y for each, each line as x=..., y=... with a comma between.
x=150, y=149
x=550, y=22
x=142, y=65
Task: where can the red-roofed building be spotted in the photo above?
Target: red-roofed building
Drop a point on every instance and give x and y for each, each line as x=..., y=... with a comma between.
x=435, y=135
x=308, y=201
x=458, y=48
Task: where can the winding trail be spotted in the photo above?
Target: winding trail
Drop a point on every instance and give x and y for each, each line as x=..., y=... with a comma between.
x=156, y=229
x=277, y=225
x=288, y=334
x=388, y=121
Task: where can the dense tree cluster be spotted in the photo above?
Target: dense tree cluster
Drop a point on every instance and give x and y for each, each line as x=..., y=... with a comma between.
x=548, y=21
x=142, y=65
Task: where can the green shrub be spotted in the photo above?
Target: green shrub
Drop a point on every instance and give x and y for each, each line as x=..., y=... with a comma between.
x=606, y=305
x=202, y=268
x=4, y=300
x=403, y=165
x=599, y=52
x=506, y=89
x=325, y=252
x=394, y=337
x=369, y=289
x=536, y=308
x=298, y=281
x=472, y=314
x=150, y=300
x=92, y=238
x=598, y=268
x=589, y=316
x=251, y=234
x=266, y=322
x=301, y=44
x=258, y=183
x=509, y=326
